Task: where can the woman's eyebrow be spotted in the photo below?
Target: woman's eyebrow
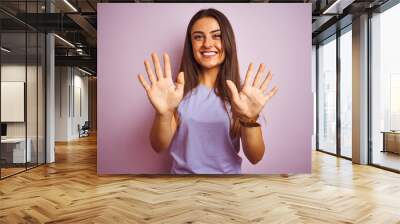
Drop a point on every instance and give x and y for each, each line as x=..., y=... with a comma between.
x=200, y=32
x=215, y=31
x=197, y=32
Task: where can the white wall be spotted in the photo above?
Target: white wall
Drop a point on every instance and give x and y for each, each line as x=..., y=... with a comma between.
x=71, y=93
x=62, y=81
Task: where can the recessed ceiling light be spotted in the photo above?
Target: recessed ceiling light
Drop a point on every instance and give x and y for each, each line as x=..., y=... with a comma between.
x=70, y=5
x=5, y=50
x=64, y=40
x=84, y=71
x=337, y=7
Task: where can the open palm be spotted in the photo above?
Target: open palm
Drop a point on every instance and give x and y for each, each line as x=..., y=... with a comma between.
x=249, y=102
x=163, y=93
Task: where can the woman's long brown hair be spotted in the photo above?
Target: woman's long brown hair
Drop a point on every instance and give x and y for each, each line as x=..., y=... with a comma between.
x=229, y=69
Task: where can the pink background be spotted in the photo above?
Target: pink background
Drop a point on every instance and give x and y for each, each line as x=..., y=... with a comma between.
x=278, y=35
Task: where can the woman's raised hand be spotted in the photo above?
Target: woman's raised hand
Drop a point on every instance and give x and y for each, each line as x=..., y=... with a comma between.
x=249, y=102
x=163, y=93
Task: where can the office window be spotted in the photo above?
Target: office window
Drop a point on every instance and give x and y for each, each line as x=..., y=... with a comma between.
x=314, y=91
x=327, y=96
x=385, y=88
x=346, y=93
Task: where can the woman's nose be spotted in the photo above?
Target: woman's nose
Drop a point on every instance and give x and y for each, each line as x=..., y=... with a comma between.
x=207, y=42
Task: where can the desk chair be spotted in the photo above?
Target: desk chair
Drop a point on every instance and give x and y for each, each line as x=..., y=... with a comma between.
x=84, y=130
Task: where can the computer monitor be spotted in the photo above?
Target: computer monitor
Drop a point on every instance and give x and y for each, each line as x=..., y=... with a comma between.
x=3, y=129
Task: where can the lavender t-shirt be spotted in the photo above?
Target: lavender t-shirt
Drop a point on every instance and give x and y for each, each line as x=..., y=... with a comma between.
x=202, y=144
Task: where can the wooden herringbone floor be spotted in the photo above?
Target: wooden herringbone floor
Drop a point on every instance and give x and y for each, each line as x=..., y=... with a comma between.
x=70, y=191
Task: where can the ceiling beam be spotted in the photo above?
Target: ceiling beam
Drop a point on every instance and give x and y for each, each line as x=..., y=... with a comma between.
x=84, y=61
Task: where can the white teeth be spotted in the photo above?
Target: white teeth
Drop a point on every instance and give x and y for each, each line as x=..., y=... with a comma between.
x=209, y=53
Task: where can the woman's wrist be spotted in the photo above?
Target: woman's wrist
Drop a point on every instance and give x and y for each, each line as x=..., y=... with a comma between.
x=249, y=121
x=165, y=116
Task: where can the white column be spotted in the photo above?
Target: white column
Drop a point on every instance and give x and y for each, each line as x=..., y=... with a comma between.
x=50, y=100
x=50, y=92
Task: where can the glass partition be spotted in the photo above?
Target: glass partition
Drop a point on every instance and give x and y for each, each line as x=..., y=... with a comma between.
x=13, y=109
x=22, y=77
x=32, y=95
x=41, y=87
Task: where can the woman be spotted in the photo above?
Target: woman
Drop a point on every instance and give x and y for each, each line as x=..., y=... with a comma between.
x=197, y=118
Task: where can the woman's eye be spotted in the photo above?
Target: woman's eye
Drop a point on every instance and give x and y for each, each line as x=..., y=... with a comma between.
x=217, y=36
x=198, y=37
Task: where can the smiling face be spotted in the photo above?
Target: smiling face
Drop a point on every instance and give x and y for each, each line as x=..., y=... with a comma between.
x=206, y=43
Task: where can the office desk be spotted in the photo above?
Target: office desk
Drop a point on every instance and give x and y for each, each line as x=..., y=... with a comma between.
x=13, y=150
x=391, y=141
